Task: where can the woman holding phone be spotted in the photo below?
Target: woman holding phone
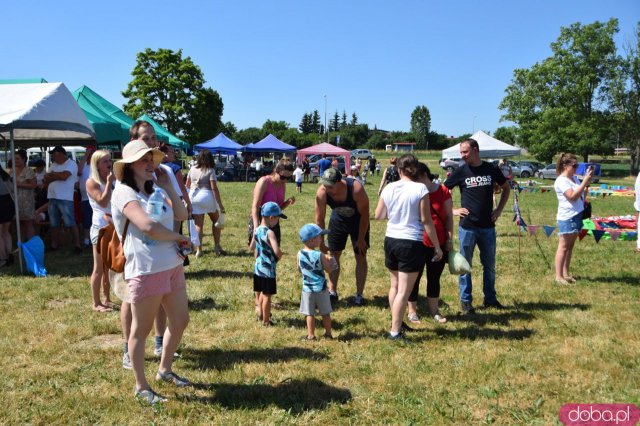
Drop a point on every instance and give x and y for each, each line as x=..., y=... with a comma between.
x=570, y=192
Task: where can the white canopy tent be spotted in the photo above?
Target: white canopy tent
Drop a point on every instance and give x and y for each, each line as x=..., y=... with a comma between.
x=489, y=147
x=40, y=115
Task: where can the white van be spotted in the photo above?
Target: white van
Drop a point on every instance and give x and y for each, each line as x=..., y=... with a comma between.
x=76, y=153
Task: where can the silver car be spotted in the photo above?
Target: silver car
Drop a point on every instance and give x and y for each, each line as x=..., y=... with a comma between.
x=548, y=172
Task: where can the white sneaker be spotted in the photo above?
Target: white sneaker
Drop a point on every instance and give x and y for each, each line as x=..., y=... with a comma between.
x=158, y=352
x=126, y=361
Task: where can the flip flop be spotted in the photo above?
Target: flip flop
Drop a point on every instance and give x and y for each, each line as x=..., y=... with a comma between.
x=414, y=318
x=102, y=309
x=112, y=305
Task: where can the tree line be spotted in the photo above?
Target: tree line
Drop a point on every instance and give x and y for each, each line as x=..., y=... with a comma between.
x=584, y=98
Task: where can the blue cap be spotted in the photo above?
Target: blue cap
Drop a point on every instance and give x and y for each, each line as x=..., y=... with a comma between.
x=311, y=230
x=270, y=209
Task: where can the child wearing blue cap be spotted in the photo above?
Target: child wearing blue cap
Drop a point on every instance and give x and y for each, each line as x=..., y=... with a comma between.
x=312, y=264
x=267, y=252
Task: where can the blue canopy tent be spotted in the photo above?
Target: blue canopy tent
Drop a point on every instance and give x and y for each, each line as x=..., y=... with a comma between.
x=220, y=144
x=269, y=144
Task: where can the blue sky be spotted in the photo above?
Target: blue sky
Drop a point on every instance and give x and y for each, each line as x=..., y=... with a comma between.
x=278, y=59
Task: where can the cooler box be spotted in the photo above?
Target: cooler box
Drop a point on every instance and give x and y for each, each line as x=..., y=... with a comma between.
x=582, y=170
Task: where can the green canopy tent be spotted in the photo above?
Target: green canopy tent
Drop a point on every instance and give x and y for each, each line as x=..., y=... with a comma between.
x=164, y=134
x=110, y=123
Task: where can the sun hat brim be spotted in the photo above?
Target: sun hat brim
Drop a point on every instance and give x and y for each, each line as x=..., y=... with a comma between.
x=118, y=166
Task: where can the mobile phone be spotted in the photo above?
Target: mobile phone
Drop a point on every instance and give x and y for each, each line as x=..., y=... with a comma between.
x=590, y=168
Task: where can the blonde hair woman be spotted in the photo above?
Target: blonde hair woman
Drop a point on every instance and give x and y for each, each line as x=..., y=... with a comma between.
x=99, y=187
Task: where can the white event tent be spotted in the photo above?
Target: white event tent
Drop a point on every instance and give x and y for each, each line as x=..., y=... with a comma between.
x=40, y=114
x=489, y=147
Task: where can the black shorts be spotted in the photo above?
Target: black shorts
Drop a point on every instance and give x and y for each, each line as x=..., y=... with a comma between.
x=404, y=255
x=8, y=210
x=341, y=229
x=264, y=285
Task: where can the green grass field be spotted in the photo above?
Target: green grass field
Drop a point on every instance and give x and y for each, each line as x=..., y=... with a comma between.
x=553, y=345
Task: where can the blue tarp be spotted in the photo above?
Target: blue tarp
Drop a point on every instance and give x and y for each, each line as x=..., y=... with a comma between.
x=33, y=252
x=220, y=144
x=269, y=144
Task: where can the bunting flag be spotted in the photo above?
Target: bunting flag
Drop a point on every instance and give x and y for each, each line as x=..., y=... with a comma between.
x=597, y=234
x=533, y=229
x=614, y=235
x=582, y=234
x=548, y=230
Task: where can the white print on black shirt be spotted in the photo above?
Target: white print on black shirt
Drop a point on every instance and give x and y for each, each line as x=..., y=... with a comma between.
x=476, y=181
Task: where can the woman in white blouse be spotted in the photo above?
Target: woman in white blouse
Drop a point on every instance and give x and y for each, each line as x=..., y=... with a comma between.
x=570, y=193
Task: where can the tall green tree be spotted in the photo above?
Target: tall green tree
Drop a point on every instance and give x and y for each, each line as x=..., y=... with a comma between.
x=624, y=96
x=354, y=119
x=316, y=124
x=229, y=129
x=170, y=89
x=334, y=123
x=558, y=102
x=276, y=128
x=343, y=123
x=305, y=124
x=507, y=134
x=420, y=125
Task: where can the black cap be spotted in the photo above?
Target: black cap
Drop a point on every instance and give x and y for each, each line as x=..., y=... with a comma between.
x=58, y=148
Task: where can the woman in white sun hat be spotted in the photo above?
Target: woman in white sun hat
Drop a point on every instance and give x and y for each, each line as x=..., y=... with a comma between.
x=153, y=268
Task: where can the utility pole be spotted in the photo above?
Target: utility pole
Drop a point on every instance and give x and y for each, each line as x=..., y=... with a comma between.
x=325, y=117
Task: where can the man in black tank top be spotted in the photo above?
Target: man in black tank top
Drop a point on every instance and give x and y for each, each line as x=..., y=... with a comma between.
x=349, y=218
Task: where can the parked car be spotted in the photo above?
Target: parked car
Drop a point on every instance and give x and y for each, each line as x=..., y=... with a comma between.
x=549, y=172
x=533, y=165
x=517, y=170
x=361, y=153
x=450, y=164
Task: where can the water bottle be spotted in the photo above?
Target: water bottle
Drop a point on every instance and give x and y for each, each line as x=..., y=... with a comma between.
x=154, y=210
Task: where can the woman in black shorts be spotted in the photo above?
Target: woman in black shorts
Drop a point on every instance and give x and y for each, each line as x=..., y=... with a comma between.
x=405, y=203
x=7, y=212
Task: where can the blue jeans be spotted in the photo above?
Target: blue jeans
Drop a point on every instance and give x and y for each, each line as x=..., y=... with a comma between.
x=485, y=239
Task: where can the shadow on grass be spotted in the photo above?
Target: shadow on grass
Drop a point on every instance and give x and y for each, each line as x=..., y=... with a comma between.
x=475, y=333
x=206, y=303
x=483, y=318
x=550, y=306
x=212, y=273
x=219, y=359
x=238, y=253
x=295, y=396
x=612, y=279
x=301, y=322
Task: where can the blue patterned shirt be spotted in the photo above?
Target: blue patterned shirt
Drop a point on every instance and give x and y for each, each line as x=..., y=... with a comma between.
x=313, y=279
x=265, y=265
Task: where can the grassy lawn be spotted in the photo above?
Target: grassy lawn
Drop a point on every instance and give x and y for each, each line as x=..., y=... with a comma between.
x=554, y=345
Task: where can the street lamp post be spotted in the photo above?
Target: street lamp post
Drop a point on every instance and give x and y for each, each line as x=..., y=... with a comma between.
x=325, y=117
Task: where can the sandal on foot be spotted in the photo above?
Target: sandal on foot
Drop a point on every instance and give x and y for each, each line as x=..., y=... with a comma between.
x=308, y=338
x=112, y=305
x=102, y=309
x=562, y=281
x=149, y=396
x=414, y=318
x=439, y=318
x=172, y=377
x=570, y=279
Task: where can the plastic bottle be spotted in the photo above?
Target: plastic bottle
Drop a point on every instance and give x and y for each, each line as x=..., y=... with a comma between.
x=154, y=210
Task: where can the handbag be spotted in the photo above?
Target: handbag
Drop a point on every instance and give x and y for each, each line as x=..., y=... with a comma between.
x=109, y=247
x=586, y=213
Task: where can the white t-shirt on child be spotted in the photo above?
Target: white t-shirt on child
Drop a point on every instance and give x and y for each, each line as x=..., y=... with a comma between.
x=298, y=173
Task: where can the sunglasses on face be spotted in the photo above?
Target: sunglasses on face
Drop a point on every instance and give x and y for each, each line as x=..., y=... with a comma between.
x=574, y=165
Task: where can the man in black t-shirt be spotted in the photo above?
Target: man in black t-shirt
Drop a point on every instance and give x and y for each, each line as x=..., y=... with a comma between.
x=477, y=219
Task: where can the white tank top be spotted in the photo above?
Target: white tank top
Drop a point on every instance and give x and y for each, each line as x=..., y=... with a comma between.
x=99, y=211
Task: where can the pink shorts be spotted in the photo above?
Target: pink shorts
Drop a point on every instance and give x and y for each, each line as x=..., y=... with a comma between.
x=160, y=283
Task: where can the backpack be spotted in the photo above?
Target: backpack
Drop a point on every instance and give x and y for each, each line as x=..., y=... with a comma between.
x=392, y=174
x=110, y=248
